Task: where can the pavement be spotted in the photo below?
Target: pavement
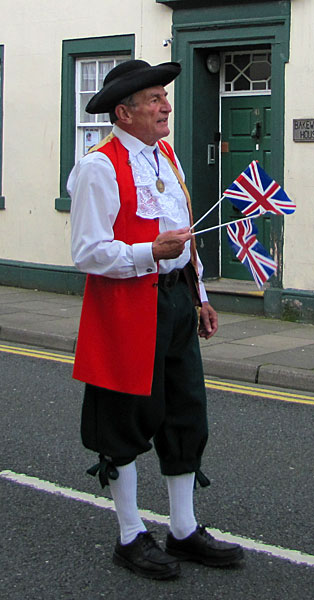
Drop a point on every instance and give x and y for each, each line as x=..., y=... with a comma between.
x=246, y=348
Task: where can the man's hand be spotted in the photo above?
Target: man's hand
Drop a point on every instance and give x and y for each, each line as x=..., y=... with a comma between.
x=170, y=244
x=208, y=321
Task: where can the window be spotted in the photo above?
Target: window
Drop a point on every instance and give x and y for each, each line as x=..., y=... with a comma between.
x=246, y=73
x=90, y=74
x=84, y=65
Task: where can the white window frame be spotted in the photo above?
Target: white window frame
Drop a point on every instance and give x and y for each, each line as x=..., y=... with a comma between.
x=250, y=92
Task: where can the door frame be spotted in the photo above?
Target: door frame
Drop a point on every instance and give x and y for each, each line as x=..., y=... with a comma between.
x=247, y=25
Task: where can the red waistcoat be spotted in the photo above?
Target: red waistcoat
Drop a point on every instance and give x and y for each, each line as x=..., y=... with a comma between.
x=117, y=334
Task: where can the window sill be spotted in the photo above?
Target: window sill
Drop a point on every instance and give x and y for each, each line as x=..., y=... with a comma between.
x=63, y=204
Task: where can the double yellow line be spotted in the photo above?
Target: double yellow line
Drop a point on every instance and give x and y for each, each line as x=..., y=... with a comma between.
x=258, y=391
x=64, y=358
x=212, y=384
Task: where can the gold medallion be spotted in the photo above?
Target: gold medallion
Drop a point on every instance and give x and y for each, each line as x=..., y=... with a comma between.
x=160, y=185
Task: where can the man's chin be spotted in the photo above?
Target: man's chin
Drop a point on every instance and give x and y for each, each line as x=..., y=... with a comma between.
x=165, y=131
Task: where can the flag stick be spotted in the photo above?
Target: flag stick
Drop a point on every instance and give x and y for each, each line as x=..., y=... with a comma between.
x=224, y=224
x=208, y=212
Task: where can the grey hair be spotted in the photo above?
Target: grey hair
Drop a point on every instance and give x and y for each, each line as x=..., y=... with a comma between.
x=127, y=101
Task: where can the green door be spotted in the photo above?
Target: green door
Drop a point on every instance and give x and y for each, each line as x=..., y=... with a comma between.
x=245, y=137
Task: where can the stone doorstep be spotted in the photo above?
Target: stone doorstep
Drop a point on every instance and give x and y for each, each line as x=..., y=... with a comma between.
x=233, y=287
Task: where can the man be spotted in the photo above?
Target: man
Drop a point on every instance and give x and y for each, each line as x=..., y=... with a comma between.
x=138, y=350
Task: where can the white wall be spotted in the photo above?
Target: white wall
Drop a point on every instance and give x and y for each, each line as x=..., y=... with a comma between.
x=299, y=157
x=32, y=33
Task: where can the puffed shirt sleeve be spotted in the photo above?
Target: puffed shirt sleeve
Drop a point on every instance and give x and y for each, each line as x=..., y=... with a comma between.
x=95, y=204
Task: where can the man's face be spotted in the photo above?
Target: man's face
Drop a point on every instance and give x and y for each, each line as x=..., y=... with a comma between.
x=149, y=115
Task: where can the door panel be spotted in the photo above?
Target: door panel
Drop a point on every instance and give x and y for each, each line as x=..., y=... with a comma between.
x=246, y=126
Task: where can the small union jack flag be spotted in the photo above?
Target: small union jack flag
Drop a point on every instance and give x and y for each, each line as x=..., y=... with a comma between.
x=243, y=240
x=255, y=193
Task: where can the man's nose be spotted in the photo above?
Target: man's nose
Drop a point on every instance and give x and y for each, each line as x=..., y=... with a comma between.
x=166, y=107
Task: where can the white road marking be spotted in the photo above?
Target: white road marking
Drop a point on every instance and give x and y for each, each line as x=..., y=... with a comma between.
x=46, y=486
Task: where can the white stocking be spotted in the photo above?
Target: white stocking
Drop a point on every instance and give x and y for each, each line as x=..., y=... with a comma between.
x=182, y=519
x=124, y=493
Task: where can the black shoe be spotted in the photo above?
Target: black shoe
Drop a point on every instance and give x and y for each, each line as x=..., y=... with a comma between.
x=201, y=547
x=144, y=557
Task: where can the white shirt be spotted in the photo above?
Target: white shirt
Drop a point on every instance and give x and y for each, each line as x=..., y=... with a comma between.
x=94, y=192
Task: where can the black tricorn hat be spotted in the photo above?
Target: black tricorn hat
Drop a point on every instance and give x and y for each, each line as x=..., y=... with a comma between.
x=127, y=78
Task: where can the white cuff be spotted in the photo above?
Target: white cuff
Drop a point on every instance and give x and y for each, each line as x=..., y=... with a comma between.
x=203, y=293
x=143, y=259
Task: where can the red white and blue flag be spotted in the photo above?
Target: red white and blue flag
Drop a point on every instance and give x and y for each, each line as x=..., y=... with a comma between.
x=255, y=193
x=251, y=253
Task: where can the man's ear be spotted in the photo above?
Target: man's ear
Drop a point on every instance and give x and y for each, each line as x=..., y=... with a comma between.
x=124, y=114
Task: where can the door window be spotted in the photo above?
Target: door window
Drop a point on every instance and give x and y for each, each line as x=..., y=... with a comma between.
x=246, y=73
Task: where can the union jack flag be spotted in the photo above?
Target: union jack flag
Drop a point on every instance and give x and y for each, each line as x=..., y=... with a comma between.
x=255, y=193
x=251, y=253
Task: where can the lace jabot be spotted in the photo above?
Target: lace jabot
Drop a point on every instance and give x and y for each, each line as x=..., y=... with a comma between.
x=152, y=204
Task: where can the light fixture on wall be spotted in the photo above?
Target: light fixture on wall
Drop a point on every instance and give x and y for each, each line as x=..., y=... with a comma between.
x=213, y=63
x=167, y=42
